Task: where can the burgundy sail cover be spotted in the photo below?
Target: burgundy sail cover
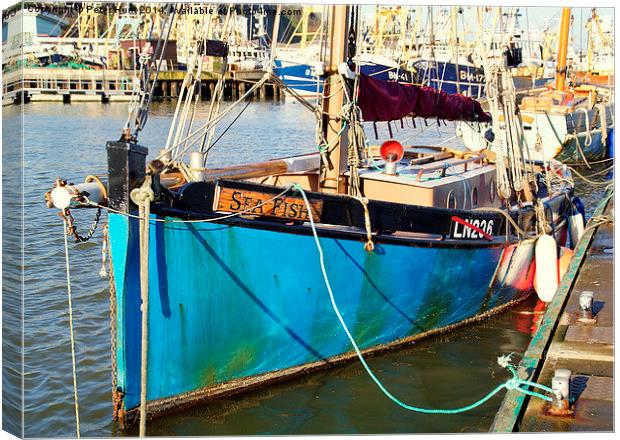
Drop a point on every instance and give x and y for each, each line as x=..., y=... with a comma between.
x=387, y=101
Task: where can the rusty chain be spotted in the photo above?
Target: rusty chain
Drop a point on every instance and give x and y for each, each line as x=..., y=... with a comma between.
x=72, y=229
x=117, y=394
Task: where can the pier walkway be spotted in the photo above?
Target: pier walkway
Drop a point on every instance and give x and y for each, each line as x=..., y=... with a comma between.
x=78, y=85
x=586, y=349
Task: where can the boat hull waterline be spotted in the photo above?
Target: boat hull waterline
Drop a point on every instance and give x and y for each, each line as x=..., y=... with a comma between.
x=231, y=304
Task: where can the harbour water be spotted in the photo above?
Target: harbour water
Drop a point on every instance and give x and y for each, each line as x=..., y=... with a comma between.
x=69, y=141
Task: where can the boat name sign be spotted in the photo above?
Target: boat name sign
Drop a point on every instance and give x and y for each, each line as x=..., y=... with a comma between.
x=264, y=204
x=466, y=75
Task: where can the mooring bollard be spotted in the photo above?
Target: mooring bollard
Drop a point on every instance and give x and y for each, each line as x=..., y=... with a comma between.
x=390, y=168
x=586, y=299
x=561, y=390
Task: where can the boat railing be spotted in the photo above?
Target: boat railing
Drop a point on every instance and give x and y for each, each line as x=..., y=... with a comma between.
x=60, y=79
x=446, y=165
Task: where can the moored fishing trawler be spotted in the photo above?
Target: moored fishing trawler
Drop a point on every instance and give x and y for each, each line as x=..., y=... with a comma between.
x=567, y=123
x=299, y=66
x=228, y=279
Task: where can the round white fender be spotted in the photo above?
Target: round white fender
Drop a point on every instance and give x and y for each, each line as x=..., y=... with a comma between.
x=546, y=254
x=576, y=227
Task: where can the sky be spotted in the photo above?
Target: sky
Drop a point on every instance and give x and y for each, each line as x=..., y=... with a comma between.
x=535, y=16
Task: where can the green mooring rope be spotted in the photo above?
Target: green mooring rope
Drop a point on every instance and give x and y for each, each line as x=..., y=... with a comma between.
x=513, y=383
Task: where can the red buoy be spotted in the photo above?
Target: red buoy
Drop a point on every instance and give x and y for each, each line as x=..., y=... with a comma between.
x=392, y=151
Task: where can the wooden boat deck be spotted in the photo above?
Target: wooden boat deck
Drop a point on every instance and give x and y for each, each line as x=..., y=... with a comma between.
x=562, y=342
x=438, y=177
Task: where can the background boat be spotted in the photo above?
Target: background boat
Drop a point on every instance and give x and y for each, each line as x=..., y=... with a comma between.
x=571, y=123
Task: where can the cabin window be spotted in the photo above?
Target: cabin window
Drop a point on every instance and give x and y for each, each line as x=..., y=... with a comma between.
x=49, y=26
x=474, y=197
x=451, y=202
x=5, y=32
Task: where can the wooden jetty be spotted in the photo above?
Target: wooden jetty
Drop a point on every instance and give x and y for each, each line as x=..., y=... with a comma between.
x=106, y=85
x=563, y=341
x=65, y=85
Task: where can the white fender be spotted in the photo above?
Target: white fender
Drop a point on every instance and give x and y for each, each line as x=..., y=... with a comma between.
x=576, y=227
x=546, y=254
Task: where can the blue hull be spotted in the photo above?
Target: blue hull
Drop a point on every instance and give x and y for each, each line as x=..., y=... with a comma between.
x=300, y=77
x=448, y=77
x=465, y=79
x=303, y=79
x=451, y=78
x=386, y=73
x=231, y=302
x=595, y=150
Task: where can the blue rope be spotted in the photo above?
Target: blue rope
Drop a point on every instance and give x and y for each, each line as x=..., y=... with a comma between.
x=511, y=384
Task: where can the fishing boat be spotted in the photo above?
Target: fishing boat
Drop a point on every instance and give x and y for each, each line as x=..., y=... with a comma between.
x=224, y=280
x=307, y=79
x=598, y=68
x=299, y=65
x=567, y=123
x=446, y=63
x=36, y=39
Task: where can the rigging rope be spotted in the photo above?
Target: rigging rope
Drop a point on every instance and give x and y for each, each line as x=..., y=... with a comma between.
x=293, y=92
x=200, y=132
x=143, y=111
x=143, y=197
x=211, y=123
x=370, y=245
x=139, y=113
x=71, y=333
x=351, y=115
x=577, y=164
x=503, y=181
x=593, y=182
x=599, y=220
x=578, y=145
x=588, y=140
x=520, y=231
x=602, y=113
x=229, y=126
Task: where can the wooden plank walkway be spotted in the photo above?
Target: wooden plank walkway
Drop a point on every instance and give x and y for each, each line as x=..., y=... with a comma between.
x=564, y=342
x=77, y=85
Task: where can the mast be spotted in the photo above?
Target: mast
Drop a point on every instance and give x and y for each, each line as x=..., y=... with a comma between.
x=404, y=22
x=590, y=45
x=331, y=178
x=431, y=35
x=560, y=77
x=454, y=41
x=453, y=35
x=304, y=27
